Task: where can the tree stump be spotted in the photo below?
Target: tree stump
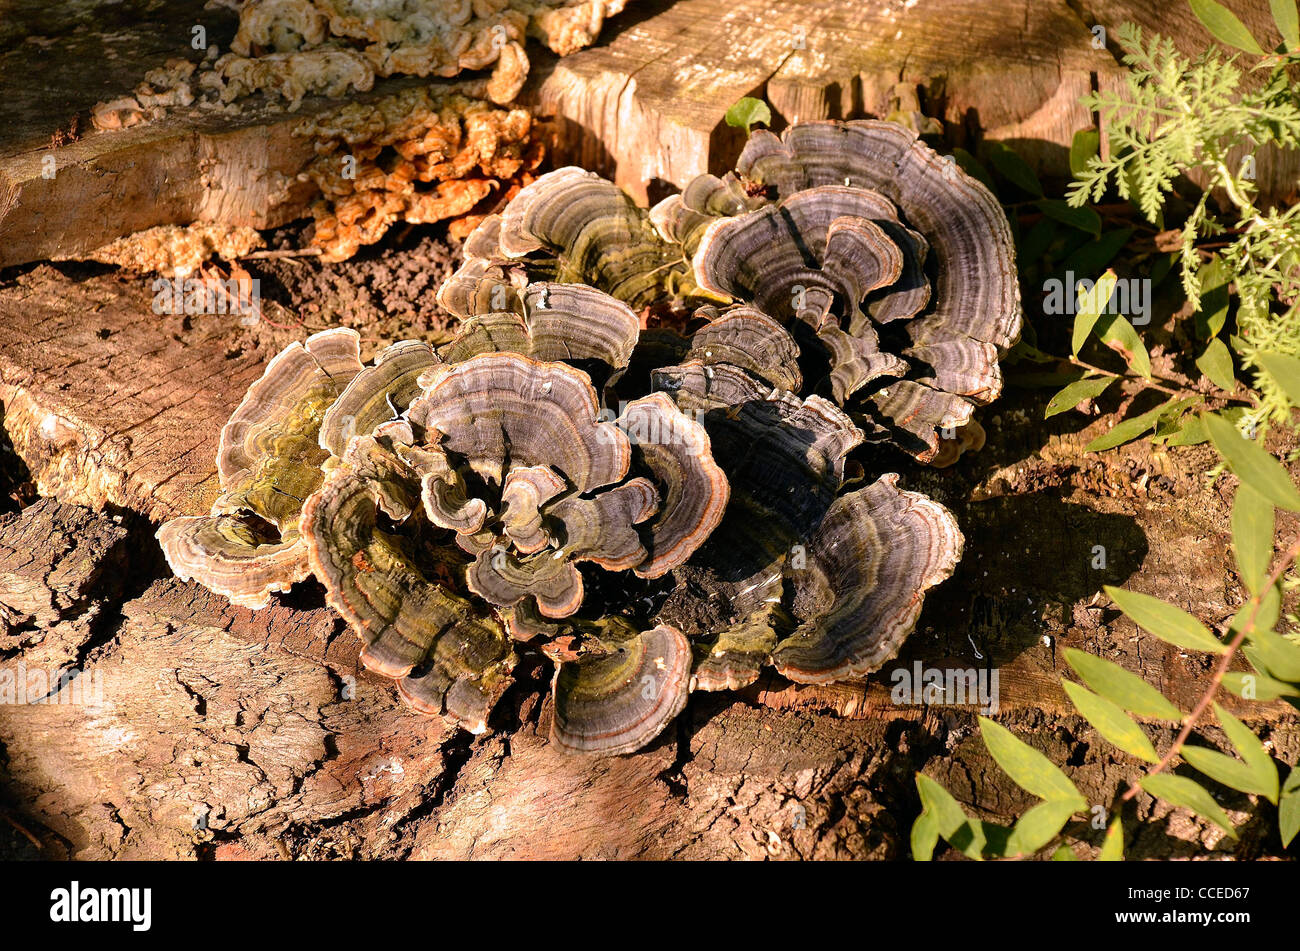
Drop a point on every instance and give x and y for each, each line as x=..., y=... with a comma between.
x=220, y=732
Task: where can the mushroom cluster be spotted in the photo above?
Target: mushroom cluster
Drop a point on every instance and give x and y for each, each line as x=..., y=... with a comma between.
x=890, y=269
x=655, y=513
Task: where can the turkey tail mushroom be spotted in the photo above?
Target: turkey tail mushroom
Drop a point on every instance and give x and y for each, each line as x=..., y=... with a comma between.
x=618, y=700
x=951, y=309
x=447, y=656
x=869, y=565
x=268, y=461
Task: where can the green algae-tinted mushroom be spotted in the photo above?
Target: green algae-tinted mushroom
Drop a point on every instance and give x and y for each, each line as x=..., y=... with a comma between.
x=551, y=322
x=268, y=462
x=869, y=564
x=598, y=236
x=618, y=699
x=448, y=656
x=378, y=394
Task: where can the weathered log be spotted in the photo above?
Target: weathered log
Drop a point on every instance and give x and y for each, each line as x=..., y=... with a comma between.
x=645, y=107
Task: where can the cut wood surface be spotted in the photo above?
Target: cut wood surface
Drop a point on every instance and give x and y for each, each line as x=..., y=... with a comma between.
x=645, y=106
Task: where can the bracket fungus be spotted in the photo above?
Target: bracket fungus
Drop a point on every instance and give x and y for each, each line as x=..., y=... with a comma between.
x=655, y=513
x=268, y=463
x=940, y=323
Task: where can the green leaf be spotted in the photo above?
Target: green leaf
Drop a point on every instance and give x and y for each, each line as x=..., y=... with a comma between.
x=1064, y=854
x=1111, y=722
x=1280, y=657
x=1288, y=807
x=1167, y=622
x=748, y=112
x=1216, y=363
x=1028, y=768
x=1181, y=791
x=1287, y=19
x=1134, y=427
x=1285, y=371
x=1224, y=25
x=1076, y=393
x=1270, y=609
x=967, y=836
x=1117, y=333
x=1113, y=846
x=1120, y=686
x=1212, y=314
x=1085, y=144
x=1112, y=849
x=1013, y=168
x=1224, y=770
x=1091, y=303
x=925, y=836
x=1082, y=219
x=1040, y=825
x=1252, y=752
x=1252, y=685
x=1252, y=535
x=1251, y=464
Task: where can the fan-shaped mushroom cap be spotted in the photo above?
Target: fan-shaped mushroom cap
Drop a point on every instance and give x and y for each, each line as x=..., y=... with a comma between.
x=915, y=413
x=503, y=578
x=784, y=459
x=876, y=553
x=557, y=322
x=945, y=224
x=268, y=462
x=618, y=701
x=449, y=657
x=269, y=457
x=377, y=394
x=598, y=233
x=749, y=339
x=976, y=291
x=816, y=251
x=500, y=410
x=525, y=491
x=600, y=529
x=693, y=490
x=683, y=218
x=241, y=557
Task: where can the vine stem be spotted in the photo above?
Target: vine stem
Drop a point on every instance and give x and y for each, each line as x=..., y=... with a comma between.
x=1189, y=722
x=1219, y=393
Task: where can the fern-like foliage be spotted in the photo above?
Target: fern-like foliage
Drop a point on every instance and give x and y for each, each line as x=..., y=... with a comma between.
x=1179, y=116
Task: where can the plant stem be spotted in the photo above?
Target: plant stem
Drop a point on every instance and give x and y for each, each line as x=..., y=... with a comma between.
x=1189, y=722
x=1218, y=393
